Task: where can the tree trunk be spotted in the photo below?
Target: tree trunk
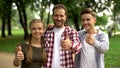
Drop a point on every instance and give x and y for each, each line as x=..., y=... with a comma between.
x=9, y=23
x=9, y=26
x=8, y=17
x=23, y=19
x=3, y=26
x=41, y=13
x=75, y=19
x=26, y=35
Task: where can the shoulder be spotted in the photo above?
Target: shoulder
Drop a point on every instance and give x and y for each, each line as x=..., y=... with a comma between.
x=102, y=35
x=69, y=29
x=82, y=32
x=24, y=45
x=100, y=32
x=48, y=30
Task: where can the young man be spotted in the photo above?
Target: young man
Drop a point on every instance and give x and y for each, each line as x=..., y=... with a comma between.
x=94, y=42
x=60, y=41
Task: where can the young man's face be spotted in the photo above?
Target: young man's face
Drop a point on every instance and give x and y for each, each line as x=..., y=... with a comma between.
x=59, y=18
x=88, y=21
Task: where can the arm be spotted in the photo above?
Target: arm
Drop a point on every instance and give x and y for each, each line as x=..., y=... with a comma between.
x=71, y=41
x=102, y=44
x=76, y=45
x=18, y=56
x=16, y=62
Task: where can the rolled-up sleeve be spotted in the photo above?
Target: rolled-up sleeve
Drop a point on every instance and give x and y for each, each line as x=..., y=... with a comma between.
x=76, y=45
x=102, y=43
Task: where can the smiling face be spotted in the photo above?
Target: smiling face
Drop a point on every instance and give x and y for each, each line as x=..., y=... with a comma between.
x=88, y=21
x=36, y=30
x=88, y=17
x=59, y=17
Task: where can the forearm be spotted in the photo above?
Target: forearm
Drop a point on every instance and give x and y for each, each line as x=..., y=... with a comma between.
x=76, y=44
x=101, y=46
x=76, y=47
x=16, y=62
x=73, y=55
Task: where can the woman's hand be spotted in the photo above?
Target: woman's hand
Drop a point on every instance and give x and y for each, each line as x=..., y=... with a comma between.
x=19, y=56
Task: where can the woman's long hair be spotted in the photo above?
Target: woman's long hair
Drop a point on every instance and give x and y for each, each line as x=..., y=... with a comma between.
x=30, y=51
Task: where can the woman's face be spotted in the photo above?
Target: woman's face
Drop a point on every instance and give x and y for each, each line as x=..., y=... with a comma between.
x=37, y=30
x=88, y=21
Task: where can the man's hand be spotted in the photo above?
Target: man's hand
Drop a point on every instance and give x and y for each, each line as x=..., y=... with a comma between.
x=49, y=26
x=90, y=39
x=66, y=44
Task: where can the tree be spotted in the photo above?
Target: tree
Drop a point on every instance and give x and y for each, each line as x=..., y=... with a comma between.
x=23, y=17
x=5, y=10
x=75, y=7
x=102, y=20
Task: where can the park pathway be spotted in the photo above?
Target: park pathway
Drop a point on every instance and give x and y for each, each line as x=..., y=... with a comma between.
x=6, y=60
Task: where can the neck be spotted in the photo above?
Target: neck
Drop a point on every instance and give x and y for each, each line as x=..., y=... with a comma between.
x=59, y=27
x=35, y=42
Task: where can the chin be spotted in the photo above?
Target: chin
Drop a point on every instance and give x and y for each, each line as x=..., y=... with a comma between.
x=37, y=37
x=86, y=29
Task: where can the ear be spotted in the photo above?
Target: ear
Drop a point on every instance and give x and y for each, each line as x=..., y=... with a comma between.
x=95, y=20
x=66, y=17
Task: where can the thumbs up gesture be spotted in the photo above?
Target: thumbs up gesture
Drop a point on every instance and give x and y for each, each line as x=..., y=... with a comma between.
x=90, y=39
x=19, y=53
x=66, y=44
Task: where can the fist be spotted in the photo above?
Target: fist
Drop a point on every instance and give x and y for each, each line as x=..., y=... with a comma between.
x=66, y=43
x=90, y=39
x=19, y=53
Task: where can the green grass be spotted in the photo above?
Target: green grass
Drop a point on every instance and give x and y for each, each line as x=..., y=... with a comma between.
x=8, y=44
x=112, y=57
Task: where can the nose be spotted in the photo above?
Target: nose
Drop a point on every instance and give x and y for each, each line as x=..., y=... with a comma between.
x=59, y=18
x=84, y=21
x=37, y=30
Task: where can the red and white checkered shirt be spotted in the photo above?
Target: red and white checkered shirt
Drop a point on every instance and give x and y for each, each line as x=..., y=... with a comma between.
x=66, y=59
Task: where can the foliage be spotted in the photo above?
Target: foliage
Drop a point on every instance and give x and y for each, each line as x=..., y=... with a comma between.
x=74, y=8
x=102, y=20
x=116, y=8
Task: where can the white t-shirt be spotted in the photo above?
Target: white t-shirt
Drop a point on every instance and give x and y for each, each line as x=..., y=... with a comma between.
x=88, y=59
x=56, y=47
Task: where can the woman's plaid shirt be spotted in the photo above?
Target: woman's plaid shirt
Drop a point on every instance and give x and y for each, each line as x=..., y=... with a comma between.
x=66, y=59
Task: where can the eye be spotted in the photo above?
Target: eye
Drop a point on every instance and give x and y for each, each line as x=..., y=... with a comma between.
x=55, y=15
x=88, y=19
x=33, y=28
x=83, y=20
x=39, y=28
x=61, y=15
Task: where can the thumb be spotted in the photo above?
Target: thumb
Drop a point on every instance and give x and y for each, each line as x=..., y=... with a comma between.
x=67, y=36
x=19, y=48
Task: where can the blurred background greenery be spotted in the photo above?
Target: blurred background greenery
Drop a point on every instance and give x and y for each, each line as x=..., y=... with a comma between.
x=15, y=16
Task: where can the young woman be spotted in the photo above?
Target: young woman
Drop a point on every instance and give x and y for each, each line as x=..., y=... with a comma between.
x=31, y=54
